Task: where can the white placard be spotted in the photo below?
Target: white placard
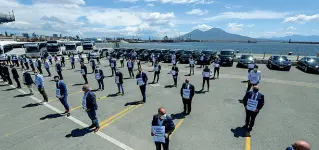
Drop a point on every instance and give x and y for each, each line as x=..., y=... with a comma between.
x=82, y=71
x=112, y=64
x=173, y=72
x=252, y=103
x=216, y=65
x=206, y=74
x=156, y=68
x=159, y=134
x=84, y=102
x=58, y=94
x=129, y=64
x=192, y=62
x=117, y=79
x=97, y=76
x=140, y=81
x=186, y=93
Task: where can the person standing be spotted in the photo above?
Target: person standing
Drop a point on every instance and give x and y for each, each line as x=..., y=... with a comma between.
x=6, y=74
x=84, y=72
x=50, y=59
x=191, y=66
x=63, y=61
x=119, y=82
x=216, y=68
x=251, y=67
x=90, y=106
x=27, y=80
x=32, y=64
x=72, y=62
x=187, y=94
x=157, y=71
x=47, y=67
x=16, y=76
x=62, y=94
x=122, y=61
x=21, y=62
x=253, y=102
x=130, y=66
x=92, y=64
x=38, y=64
x=1, y=72
x=113, y=66
x=99, y=76
x=202, y=61
x=254, y=77
x=26, y=62
x=141, y=78
x=174, y=73
x=39, y=82
x=162, y=120
x=58, y=69
x=206, y=74
x=173, y=59
x=153, y=58
x=299, y=145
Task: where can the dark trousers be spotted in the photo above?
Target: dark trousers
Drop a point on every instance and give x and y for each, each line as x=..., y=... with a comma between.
x=42, y=92
x=48, y=70
x=216, y=69
x=207, y=80
x=250, y=69
x=187, y=105
x=113, y=70
x=250, y=85
x=50, y=60
x=120, y=87
x=175, y=80
x=122, y=63
x=60, y=75
x=85, y=79
x=143, y=90
x=32, y=67
x=18, y=82
x=7, y=77
x=63, y=63
x=101, y=83
x=165, y=145
x=21, y=63
x=93, y=69
x=92, y=116
x=26, y=65
x=250, y=118
x=191, y=69
x=40, y=70
x=156, y=74
x=72, y=65
x=130, y=71
x=65, y=104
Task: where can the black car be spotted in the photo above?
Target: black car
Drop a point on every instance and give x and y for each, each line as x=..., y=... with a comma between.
x=227, y=57
x=210, y=54
x=179, y=53
x=144, y=56
x=309, y=64
x=168, y=56
x=279, y=62
x=159, y=54
x=139, y=51
x=245, y=60
x=184, y=59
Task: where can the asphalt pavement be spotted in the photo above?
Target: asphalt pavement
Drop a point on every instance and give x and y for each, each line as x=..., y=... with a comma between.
x=290, y=112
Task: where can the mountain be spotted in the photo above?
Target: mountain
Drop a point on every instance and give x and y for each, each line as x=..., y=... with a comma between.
x=299, y=38
x=215, y=34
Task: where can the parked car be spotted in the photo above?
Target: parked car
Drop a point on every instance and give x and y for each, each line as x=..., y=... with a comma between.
x=139, y=51
x=184, y=59
x=159, y=54
x=309, y=64
x=144, y=56
x=95, y=53
x=279, y=62
x=245, y=60
x=179, y=53
x=168, y=56
x=227, y=57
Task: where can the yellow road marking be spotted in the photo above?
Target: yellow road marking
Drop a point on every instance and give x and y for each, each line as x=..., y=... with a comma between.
x=177, y=126
x=75, y=108
x=247, y=141
x=122, y=115
x=68, y=95
x=112, y=117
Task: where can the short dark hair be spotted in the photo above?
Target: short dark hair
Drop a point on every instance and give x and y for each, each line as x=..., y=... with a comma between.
x=56, y=77
x=256, y=66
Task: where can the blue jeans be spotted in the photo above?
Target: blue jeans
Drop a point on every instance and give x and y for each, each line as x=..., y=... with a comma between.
x=120, y=86
x=92, y=116
x=65, y=103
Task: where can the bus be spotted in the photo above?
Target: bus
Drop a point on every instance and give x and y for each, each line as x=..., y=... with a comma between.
x=88, y=46
x=54, y=48
x=5, y=49
x=73, y=47
x=32, y=49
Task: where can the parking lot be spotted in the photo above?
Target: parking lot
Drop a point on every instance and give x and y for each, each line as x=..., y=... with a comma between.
x=290, y=112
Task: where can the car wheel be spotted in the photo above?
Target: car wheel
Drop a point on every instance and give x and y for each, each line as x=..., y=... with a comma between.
x=270, y=66
x=237, y=65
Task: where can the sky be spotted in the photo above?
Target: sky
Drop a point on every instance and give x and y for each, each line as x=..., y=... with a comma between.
x=157, y=18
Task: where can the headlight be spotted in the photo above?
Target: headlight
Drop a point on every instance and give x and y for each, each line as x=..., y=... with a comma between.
x=317, y=66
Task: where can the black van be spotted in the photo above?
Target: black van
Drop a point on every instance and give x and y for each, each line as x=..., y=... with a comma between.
x=227, y=57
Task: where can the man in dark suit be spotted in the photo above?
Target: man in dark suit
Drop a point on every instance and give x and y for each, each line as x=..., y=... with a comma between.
x=253, y=102
x=1, y=72
x=39, y=65
x=93, y=65
x=27, y=80
x=141, y=78
x=90, y=105
x=130, y=66
x=99, y=76
x=174, y=73
x=6, y=74
x=157, y=71
x=84, y=72
x=31, y=64
x=187, y=94
x=58, y=69
x=63, y=61
x=119, y=81
x=73, y=62
x=16, y=76
x=113, y=66
x=161, y=119
x=62, y=94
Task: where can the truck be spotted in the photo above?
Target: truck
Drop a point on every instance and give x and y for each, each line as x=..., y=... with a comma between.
x=73, y=47
x=88, y=46
x=5, y=48
x=32, y=49
x=54, y=48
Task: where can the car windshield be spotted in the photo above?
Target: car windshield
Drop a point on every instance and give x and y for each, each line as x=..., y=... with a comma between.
x=188, y=52
x=227, y=53
x=246, y=57
x=281, y=58
x=69, y=47
x=314, y=60
x=95, y=51
x=32, y=49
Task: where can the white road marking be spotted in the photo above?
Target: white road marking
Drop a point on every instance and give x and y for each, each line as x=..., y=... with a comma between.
x=106, y=137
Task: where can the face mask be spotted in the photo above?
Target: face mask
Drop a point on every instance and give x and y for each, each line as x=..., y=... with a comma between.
x=36, y=74
x=255, y=69
x=255, y=90
x=162, y=117
x=56, y=81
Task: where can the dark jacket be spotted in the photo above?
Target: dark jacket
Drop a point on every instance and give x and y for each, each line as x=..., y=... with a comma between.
x=260, y=99
x=143, y=76
x=39, y=63
x=159, y=68
x=113, y=62
x=91, y=101
x=63, y=59
x=63, y=90
x=72, y=59
x=27, y=79
x=92, y=62
x=101, y=73
x=167, y=122
x=58, y=67
x=14, y=73
x=176, y=70
x=191, y=88
x=131, y=63
x=85, y=69
x=120, y=75
x=6, y=71
x=1, y=70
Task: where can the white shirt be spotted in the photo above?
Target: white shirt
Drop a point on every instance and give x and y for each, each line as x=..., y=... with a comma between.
x=46, y=64
x=251, y=66
x=254, y=77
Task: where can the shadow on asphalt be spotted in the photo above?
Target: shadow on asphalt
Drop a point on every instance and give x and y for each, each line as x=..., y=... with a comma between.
x=95, y=90
x=150, y=71
x=109, y=76
x=241, y=101
x=79, y=132
x=9, y=89
x=32, y=105
x=77, y=70
x=178, y=116
x=200, y=92
x=240, y=132
x=4, y=85
x=127, y=78
x=152, y=83
x=187, y=75
x=21, y=95
x=133, y=103
x=51, y=116
x=169, y=86
x=114, y=95
x=79, y=84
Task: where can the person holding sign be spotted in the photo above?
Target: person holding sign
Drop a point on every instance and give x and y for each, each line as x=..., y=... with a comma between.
x=141, y=78
x=206, y=74
x=191, y=66
x=50, y=59
x=173, y=59
x=162, y=127
x=62, y=94
x=122, y=61
x=90, y=106
x=130, y=66
x=47, y=67
x=253, y=102
x=38, y=65
x=39, y=82
x=84, y=72
x=27, y=80
x=254, y=77
x=216, y=67
x=72, y=62
x=113, y=66
x=187, y=94
x=58, y=69
x=119, y=82
x=92, y=64
x=63, y=61
x=99, y=76
x=174, y=73
x=157, y=71
x=31, y=64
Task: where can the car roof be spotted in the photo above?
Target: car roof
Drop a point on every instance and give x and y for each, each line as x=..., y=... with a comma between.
x=227, y=50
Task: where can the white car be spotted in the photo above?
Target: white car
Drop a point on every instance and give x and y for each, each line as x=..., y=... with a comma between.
x=95, y=53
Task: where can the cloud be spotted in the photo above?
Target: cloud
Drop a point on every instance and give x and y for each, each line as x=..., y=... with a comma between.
x=176, y=1
x=273, y=34
x=76, y=2
x=291, y=28
x=235, y=27
x=131, y=1
x=197, y=12
x=150, y=5
x=302, y=18
x=203, y=27
x=248, y=15
x=250, y=25
x=232, y=6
